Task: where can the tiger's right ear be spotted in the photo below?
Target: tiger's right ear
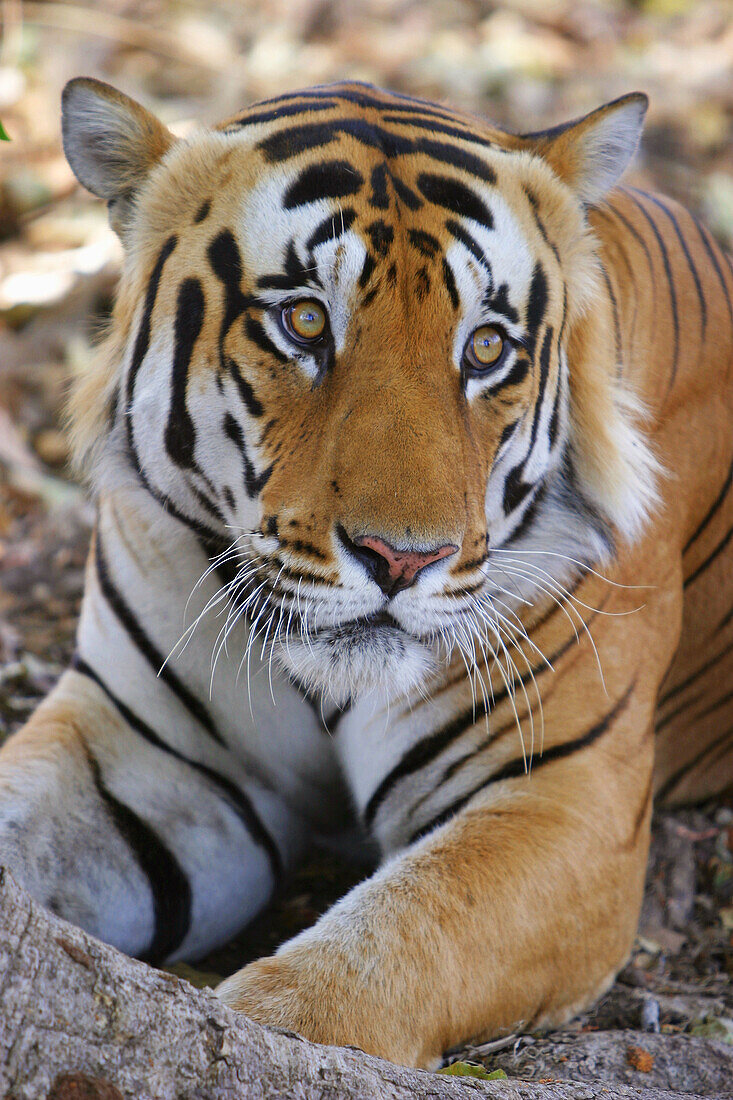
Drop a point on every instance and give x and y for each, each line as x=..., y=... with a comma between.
x=111, y=143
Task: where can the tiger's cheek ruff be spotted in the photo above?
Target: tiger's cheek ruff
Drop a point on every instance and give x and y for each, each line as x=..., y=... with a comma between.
x=568, y=476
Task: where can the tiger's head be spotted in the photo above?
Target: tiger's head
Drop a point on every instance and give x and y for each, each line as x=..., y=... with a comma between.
x=361, y=335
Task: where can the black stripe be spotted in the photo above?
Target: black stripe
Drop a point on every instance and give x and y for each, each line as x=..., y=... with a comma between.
x=616, y=325
x=381, y=235
x=498, y=300
x=515, y=489
x=515, y=377
x=425, y=243
x=660, y=724
x=331, y=228
x=517, y=769
x=251, y=402
x=406, y=103
x=681, y=773
x=207, y=504
x=450, y=193
x=437, y=126
x=180, y=432
x=205, y=535
x=226, y=263
x=456, y=157
x=528, y=517
x=169, y=885
x=469, y=242
x=688, y=257
x=615, y=242
x=363, y=99
x=634, y=233
x=405, y=194
x=555, y=417
x=711, y=510
x=142, y=340
x=723, y=622
x=664, y=699
x=254, y=483
x=541, y=229
x=544, y=377
x=379, y=197
x=368, y=96
x=308, y=136
x=327, y=179
x=427, y=750
x=709, y=559
x=472, y=754
x=293, y=140
x=255, y=332
x=721, y=702
x=203, y=212
x=367, y=270
x=537, y=302
x=147, y=648
x=302, y=107
x=670, y=282
x=450, y=283
x=328, y=722
x=238, y=800
x=710, y=247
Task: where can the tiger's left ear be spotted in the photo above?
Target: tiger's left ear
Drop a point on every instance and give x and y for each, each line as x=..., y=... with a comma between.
x=590, y=154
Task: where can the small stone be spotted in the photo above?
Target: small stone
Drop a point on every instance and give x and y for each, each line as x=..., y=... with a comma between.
x=650, y=1014
x=640, y=1059
x=80, y=1086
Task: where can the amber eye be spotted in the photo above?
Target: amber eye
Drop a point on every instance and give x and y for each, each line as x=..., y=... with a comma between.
x=305, y=321
x=485, y=348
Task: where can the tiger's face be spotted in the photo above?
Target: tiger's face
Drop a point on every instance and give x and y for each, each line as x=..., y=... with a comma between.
x=343, y=339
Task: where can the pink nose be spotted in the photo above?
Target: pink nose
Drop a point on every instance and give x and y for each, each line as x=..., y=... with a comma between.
x=397, y=569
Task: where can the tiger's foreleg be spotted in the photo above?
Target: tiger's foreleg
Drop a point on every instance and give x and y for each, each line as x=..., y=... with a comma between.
x=157, y=855
x=515, y=913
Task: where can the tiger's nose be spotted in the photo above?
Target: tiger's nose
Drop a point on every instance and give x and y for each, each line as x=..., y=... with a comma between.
x=392, y=568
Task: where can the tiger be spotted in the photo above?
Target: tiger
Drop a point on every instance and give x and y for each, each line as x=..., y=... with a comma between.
x=410, y=443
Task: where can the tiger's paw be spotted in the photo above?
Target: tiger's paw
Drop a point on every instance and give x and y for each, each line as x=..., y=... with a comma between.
x=322, y=1001
x=274, y=991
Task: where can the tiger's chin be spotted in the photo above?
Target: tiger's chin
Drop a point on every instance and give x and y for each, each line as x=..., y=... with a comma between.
x=354, y=659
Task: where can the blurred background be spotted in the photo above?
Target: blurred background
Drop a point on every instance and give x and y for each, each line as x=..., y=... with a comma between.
x=525, y=64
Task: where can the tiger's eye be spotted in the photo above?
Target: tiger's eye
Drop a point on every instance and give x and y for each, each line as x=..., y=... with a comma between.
x=486, y=345
x=305, y=320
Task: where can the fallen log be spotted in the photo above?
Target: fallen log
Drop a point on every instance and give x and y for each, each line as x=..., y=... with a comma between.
x=80, y=1021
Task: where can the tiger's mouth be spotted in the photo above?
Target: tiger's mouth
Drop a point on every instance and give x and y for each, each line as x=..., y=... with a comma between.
x=356, y=629
x=369, y=654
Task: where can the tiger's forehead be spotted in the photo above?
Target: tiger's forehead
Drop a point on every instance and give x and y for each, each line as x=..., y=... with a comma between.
x=348, y=182
x=352, y=190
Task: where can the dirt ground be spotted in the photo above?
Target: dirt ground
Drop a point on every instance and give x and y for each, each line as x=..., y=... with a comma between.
x=668, y=1020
